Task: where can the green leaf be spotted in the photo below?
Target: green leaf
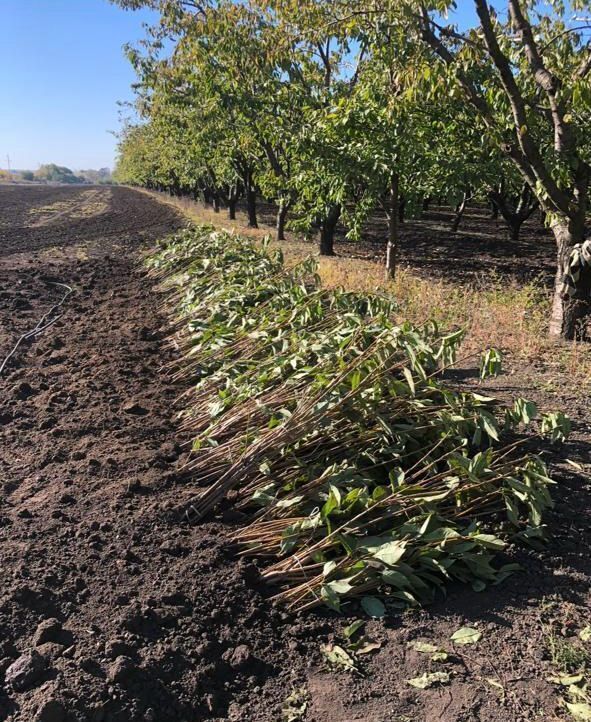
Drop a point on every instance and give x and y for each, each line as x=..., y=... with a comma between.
x=489, y=541
x=291, y=501
x=490, y=363
x=489, y=425
x=353, y=628
x=409, y=380
x=340, y=586
x=466, y=635
x=373, y=607
x=585, y=634
x=389, y=553
x=330, y=597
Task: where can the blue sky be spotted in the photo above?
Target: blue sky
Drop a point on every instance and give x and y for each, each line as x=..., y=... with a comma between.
x=62, y=71
x=61, y=74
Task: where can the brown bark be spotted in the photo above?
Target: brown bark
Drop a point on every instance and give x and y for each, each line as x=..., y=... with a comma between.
x=393, y=235
x=569, y=313
x=251, y=208
x=568, y=203
x=327, y=230
x=460, y=208
x=281, y=218
x=515, y=211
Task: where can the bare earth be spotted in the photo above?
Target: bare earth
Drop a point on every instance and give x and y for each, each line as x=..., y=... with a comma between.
x=112, y=609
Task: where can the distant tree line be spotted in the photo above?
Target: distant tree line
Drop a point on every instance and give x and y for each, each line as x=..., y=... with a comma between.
x=52, y=173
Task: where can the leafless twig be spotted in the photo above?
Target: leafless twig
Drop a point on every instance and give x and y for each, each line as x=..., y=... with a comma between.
x=47, y=320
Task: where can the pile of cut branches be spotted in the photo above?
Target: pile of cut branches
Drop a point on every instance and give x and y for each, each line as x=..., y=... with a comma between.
x=333, y=426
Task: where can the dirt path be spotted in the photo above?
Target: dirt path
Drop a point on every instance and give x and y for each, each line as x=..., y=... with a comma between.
x=111, y=610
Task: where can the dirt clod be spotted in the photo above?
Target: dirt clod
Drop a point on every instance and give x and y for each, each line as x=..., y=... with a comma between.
x=52, y=710
x=135, y=409
x=121, y=670
x=50, y=630
x=26, y=671
x=240, y=657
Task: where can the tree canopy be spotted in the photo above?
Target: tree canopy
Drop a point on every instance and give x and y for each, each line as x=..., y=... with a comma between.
x=333, y=110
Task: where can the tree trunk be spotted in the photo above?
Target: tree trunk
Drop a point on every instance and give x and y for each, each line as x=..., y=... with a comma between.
x=515, y=211
x=401, y=208
x=460, y=208
x=327, y=229
x=426, y=203
x=514, y=225
x=494, y=210
x=569, y=311
x=232, y=209
x=393, y=216
x=216, y=203
x=251, y=207
x=281, y=218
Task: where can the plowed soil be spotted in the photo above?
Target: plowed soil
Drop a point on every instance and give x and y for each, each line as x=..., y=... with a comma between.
x=114, y=610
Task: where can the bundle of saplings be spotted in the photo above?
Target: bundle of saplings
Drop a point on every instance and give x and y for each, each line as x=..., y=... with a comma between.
x=333, y=426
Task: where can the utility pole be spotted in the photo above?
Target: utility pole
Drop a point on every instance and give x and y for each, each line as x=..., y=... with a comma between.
x=8, y=164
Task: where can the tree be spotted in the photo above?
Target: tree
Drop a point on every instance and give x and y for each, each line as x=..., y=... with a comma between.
x=536, y=104
x=57, y=174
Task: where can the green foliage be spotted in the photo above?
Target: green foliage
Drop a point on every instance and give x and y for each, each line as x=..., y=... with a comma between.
x=334, y=111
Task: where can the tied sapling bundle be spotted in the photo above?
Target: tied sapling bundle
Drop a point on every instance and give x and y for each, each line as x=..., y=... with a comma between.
x=331, y=424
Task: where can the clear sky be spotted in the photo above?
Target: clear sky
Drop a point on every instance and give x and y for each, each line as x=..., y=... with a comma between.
x=62, y=71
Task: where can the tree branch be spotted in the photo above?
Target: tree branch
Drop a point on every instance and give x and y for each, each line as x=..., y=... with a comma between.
x=585, y=67
x=530, y=153
x=547, y=81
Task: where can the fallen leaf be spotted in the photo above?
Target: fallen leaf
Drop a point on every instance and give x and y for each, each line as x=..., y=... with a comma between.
x=437, y=655
x=368, y=646
x=429, y=679
x=338, y=657
x=373, y=607
x=581, y=711
x=495, y=683
x=424, y=647
x=353, y=628
x=466, y=635
x=566, y=679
